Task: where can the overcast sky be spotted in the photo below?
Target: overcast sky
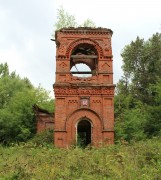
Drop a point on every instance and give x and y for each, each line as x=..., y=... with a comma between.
x=26, y=27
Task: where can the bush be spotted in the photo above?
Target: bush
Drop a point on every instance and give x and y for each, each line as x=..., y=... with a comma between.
x=43, y=138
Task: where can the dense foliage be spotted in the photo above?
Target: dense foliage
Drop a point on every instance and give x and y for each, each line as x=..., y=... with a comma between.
x=142, y=160
x=138, y=93
x=17, y=97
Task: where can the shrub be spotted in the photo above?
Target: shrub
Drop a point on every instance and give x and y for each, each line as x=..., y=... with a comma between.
x=43, y=138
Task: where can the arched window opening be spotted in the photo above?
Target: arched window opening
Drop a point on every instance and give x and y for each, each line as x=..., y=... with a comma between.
x=84, y=133
x=84, y=61
x=81, y=70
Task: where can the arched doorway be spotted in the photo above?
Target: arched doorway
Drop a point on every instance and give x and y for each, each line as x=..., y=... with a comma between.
x=84, y=133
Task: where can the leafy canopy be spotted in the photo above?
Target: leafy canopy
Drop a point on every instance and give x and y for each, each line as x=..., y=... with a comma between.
x=17, y=97
x=137, y=100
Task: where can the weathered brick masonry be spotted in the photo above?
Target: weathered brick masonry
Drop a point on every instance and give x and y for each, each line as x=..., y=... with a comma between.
x=84, y=106
x=44, y=119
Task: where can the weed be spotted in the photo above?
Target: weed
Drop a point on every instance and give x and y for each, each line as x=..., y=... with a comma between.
x=121, y=161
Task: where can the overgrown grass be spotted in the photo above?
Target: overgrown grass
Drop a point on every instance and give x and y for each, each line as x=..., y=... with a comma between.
x=141, y=160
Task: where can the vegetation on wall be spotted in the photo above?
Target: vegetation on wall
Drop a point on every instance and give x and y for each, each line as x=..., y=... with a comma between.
x=64, y=20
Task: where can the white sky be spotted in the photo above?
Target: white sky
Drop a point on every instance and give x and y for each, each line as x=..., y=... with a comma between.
x=26, y=27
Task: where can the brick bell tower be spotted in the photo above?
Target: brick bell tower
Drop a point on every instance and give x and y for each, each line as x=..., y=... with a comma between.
x=84, y=89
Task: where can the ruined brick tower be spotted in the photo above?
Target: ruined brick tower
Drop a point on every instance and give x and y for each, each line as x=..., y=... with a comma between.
x=84, y=89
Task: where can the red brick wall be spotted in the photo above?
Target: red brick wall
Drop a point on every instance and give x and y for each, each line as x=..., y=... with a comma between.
x=44, y=122
x=97, y=91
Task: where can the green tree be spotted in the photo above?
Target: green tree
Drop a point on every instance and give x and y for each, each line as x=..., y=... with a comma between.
x=88, y=23
x=44, y=100
x=130, y=123
x=141, y=66
x=64, y=20
x=153, y=122
x=140, y=85
x=17, y=97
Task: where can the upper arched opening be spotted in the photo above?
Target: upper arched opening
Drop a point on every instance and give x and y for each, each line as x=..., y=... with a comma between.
x=84, y=49
x=84, y=60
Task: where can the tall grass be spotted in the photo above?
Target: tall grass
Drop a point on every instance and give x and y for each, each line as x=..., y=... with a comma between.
x=141, y=160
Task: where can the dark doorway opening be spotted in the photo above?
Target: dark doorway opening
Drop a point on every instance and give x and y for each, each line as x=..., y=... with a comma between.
x=84, y=133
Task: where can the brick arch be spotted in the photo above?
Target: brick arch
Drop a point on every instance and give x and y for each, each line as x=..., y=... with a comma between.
x=84, y=41
x=85, y=118
x=83, y=110
x=91, y=116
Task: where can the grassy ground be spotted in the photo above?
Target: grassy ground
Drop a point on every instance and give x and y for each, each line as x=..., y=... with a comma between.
x=141, y=160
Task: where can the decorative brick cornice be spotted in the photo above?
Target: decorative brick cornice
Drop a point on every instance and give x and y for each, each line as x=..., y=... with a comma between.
x=66, y=91
x=86, y=31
